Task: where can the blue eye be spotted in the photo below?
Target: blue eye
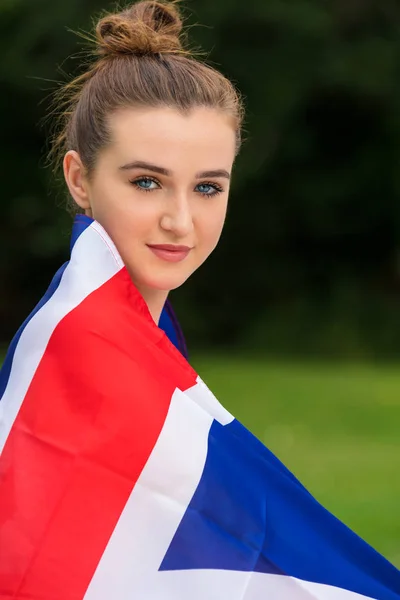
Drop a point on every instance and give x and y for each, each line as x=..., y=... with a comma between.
x=208, y=189
x=146, y=184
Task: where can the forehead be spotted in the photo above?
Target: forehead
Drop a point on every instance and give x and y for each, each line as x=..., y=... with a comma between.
x=169, y=137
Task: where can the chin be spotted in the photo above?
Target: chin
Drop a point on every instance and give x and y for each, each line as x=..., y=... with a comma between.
x=165, y=283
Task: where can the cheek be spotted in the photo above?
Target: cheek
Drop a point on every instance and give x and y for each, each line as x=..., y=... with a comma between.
x=102, y=202
x=212, y=225
x=118, y=211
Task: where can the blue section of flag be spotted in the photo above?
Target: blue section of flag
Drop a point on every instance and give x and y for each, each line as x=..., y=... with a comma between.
x=249, y=513
x=170, y=325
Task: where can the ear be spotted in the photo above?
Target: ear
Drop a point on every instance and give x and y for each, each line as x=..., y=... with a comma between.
x=74, y=173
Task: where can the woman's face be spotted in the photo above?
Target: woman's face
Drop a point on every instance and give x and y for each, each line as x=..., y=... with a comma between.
x=164, y=180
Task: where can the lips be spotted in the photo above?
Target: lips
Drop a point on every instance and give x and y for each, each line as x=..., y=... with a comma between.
x=170, y=247
x=170, y=252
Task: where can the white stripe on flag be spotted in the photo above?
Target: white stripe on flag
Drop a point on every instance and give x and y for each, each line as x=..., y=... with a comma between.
x=156, y=505
x=94, y=261
x=204, y=397
x=236, y=585
x=129, y=566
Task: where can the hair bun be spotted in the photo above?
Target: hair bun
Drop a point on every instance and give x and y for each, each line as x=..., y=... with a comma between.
x=146, y=27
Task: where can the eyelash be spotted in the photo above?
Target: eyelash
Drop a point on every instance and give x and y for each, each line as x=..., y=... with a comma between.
x=218, y=189
x=136, y=181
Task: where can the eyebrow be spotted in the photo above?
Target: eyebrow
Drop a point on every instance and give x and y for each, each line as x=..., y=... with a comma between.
x=139, y=164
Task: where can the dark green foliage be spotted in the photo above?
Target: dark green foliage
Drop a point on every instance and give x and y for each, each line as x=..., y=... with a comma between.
x=309, y=260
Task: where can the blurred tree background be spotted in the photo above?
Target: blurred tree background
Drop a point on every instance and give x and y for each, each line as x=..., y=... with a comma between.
x=309, y=261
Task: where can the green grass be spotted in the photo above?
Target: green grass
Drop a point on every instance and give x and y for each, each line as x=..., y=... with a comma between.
x=335, y=426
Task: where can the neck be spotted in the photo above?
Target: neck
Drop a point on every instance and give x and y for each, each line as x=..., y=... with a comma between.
x=155, y=300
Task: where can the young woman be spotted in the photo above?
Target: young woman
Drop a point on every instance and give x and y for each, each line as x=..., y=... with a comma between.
x=121, y=476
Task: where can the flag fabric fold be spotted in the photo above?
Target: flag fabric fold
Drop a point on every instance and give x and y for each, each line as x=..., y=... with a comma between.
x=122, y=476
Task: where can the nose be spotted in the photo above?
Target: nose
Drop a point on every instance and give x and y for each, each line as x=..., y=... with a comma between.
x=177, y=217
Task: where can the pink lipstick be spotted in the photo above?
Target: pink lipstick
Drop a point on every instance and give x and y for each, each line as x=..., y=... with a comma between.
x=170, y=252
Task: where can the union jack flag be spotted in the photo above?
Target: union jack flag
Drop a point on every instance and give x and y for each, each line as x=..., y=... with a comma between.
x=122, y=477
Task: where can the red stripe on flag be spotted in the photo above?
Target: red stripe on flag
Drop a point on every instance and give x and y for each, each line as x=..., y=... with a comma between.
x=87, y=426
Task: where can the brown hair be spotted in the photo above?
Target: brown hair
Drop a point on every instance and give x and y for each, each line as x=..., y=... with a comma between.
x=140, y=61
